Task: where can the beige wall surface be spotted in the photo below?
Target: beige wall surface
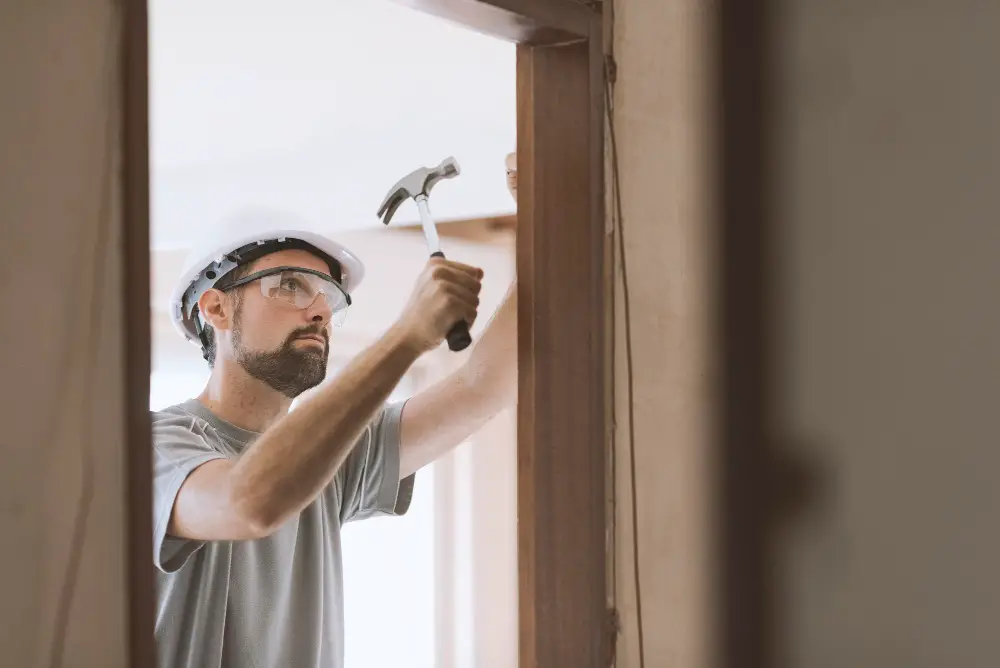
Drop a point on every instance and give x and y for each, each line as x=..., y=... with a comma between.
x=887, y=203
x=62, y=353
x=662, y=122
x=885, y=342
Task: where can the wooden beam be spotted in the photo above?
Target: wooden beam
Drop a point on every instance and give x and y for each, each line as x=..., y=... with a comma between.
x=496, y=229
x=743, y=486
x=138, y=336
x=561, y=409
x=534, y=22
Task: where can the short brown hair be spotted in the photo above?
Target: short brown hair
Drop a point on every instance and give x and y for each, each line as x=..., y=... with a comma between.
x=208, y=345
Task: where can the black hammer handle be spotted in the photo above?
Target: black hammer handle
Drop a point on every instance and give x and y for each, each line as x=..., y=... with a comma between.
x=458, y=336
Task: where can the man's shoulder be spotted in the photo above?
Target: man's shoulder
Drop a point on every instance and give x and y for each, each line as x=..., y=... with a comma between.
x=179, y=423
x=172, y=414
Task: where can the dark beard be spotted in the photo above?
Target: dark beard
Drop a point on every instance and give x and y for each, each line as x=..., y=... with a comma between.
x=288, y=369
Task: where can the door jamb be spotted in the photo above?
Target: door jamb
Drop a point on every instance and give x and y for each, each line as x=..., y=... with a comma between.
x=563, y=298
x=135, y=220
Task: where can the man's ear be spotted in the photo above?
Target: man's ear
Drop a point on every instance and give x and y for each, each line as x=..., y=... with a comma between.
x=215, y=309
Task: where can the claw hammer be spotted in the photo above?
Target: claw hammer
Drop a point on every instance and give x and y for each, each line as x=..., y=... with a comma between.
x=417, y=185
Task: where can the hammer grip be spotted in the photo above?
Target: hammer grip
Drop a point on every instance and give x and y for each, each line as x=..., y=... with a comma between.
x=458, y=336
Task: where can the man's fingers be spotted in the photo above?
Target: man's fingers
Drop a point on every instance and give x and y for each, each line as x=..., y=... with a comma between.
x=460, y=285
x=510, y=163
x=469, y=315
x=458, y=266
x=465, y=302
x=470, y=281
x=467, y=298
x=469, y=270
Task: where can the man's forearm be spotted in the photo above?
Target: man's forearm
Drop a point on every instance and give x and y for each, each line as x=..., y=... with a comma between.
x=288, y=466
x=455, y=407
x=491, y=370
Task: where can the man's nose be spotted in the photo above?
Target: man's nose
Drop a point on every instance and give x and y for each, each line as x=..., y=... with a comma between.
x=320, y=310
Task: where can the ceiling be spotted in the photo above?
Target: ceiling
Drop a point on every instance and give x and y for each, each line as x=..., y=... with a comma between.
x=318, y=107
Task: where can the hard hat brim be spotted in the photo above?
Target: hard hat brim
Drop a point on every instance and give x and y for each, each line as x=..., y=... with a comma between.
x=198, y=262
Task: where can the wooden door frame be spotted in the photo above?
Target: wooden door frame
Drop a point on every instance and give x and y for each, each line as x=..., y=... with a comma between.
x=745, y=486
x=562, y=286
x=134, y=73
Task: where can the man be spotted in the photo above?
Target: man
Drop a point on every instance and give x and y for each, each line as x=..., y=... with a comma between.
x=250, y=497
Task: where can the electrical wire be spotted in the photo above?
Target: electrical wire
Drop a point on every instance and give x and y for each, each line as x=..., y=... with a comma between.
x=614, y=622
x=611, y=499
x=610, y=79
x=96, y=309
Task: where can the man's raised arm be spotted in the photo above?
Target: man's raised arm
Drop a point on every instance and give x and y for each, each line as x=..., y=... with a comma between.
x=289, y=464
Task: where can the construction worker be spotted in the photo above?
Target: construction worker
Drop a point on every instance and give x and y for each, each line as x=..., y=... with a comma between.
x=250, y=497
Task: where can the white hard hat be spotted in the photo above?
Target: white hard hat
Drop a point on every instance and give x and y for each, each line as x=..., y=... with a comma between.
x=234, y=242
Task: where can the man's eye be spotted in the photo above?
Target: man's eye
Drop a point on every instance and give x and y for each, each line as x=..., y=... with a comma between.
x=291, y=284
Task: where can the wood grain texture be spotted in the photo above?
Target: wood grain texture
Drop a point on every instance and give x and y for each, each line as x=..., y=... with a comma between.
x=561, y=408
x=535, y=22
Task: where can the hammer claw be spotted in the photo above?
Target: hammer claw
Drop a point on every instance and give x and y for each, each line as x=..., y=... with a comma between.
x=391, y=202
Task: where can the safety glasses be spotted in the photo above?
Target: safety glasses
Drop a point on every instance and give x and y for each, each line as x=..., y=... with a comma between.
x=300, y=288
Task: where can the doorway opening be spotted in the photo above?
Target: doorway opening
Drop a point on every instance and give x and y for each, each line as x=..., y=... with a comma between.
x=314, y=109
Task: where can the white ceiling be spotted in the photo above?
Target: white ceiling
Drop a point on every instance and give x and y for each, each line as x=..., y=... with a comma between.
x=318, y=107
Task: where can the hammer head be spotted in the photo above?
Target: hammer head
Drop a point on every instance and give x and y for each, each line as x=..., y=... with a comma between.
x=418, y=182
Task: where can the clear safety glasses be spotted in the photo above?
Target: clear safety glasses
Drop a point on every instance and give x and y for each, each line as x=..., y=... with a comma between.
x=300, y=288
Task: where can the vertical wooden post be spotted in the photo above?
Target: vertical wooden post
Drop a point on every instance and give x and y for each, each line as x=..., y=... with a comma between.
x=741, y=486
x=138, y=337
x=561, y=419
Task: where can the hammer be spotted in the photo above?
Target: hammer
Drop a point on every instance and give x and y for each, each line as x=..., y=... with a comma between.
x=417, y=184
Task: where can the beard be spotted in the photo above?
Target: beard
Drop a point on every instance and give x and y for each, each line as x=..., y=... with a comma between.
x=287, y=369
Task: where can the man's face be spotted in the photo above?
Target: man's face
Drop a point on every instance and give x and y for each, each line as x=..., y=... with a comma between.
x=276, y=342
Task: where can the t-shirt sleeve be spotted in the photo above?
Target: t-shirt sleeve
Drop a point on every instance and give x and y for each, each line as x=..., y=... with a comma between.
x=180, y=446
x=370, y=476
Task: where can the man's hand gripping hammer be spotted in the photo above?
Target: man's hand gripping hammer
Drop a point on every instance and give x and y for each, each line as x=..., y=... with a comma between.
x=417, y=185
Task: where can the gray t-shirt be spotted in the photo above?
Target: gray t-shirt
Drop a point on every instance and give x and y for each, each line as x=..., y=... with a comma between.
x=275, y=602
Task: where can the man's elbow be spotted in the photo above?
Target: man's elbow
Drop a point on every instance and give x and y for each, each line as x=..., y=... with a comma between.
x=255, y=527
x=256, y=517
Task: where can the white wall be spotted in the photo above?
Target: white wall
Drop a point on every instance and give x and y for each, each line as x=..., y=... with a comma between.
x=319, y=106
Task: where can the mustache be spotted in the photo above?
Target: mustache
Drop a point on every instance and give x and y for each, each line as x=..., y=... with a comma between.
x=310, y=330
